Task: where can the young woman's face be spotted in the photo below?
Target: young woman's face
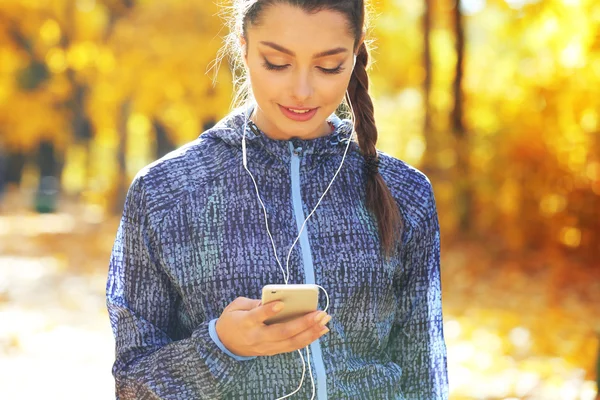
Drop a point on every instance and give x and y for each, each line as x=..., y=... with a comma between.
x=299, y=67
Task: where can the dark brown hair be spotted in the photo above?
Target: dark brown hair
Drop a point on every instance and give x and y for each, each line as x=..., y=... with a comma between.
x=378, y=196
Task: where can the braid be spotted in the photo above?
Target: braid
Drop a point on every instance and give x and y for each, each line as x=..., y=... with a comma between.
x=378, y=196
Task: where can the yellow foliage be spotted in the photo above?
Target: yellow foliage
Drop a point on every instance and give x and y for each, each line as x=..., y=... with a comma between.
x=531, y=112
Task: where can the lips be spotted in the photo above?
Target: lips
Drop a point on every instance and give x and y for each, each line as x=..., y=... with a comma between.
x=298, y=113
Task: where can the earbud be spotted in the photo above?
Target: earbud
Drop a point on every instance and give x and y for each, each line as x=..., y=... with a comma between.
x=354, y=62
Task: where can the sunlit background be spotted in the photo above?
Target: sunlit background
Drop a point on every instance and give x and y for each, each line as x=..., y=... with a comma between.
x=497, y=101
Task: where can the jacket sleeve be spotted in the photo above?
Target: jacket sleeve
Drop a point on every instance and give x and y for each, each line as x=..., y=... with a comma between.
x=142, y=305
x=417, y=339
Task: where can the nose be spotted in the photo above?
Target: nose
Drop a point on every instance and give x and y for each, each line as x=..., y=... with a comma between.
x=302, y=88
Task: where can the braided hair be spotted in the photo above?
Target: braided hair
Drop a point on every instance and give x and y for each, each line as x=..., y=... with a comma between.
x=379, y=199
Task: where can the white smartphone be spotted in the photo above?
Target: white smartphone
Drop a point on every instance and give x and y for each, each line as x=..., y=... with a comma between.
x=298, y=300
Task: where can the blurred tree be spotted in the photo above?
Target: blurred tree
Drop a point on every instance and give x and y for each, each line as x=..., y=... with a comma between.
x=63, y=58
x=15, y=162
x=3, y=169
x=428, y=163
x=108, y=14
x=46, y=196
x=598, y=369
x=24, y=79
x=464, y=192
x=122, y=180
x=56, y=46
x=510, y=130
x=160, y=81
x=533, y=115
x=164, y=144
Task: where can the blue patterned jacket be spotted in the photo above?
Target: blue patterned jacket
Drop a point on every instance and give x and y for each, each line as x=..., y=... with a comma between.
x=192, y=238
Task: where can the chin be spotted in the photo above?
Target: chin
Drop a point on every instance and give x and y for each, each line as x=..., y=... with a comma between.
x=292, y=131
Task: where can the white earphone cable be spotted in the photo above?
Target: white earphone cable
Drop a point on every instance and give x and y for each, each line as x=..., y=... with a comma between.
x=313, y=211
x=286, y=272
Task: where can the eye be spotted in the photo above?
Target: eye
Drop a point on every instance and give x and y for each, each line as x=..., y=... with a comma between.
x=274, y=67
x=333, y=71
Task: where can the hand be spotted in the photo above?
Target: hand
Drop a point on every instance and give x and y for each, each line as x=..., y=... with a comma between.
x=242, y=330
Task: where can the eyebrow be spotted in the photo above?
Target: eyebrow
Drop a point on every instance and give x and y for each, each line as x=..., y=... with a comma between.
x=325, y=53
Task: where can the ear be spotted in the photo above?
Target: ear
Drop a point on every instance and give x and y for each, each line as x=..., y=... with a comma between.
x=360, y=42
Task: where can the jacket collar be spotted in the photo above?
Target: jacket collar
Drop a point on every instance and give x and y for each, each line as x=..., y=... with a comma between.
x=230, y=130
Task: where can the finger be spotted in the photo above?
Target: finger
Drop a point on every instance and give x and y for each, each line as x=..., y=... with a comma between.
x=243, y=304
x=299, y=341
x=265, y=311
x=285, y=330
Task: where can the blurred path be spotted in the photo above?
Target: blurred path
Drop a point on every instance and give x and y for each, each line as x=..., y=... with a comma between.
x=520, y=326
x=55, y=338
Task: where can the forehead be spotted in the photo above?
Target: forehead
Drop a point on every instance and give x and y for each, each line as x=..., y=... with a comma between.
x=294, y=28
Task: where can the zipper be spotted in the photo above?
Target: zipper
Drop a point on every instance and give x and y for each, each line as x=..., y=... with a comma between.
x=309, y=270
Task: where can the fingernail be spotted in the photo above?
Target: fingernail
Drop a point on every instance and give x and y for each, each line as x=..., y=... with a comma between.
x=320, y=316
x=324, y=331
x=325, y=320
x=278, y=307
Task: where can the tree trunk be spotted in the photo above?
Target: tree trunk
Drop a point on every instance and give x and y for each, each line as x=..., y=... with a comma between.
x=46, y=197
x=164, y=145
x=464, y=188
x=15, y=163
x=122, y=180
x=429, y=156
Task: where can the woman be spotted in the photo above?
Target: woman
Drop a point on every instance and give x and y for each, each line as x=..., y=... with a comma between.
x=204, y=229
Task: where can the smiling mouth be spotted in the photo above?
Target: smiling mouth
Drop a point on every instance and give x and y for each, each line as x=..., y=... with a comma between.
x=300, y=114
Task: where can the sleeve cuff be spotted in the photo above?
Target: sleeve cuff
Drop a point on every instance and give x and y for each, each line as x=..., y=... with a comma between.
x=212, y=331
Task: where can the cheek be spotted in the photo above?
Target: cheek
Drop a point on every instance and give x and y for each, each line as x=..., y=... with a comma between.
x=332, y=88
x=257, y=80
x=267, y=85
